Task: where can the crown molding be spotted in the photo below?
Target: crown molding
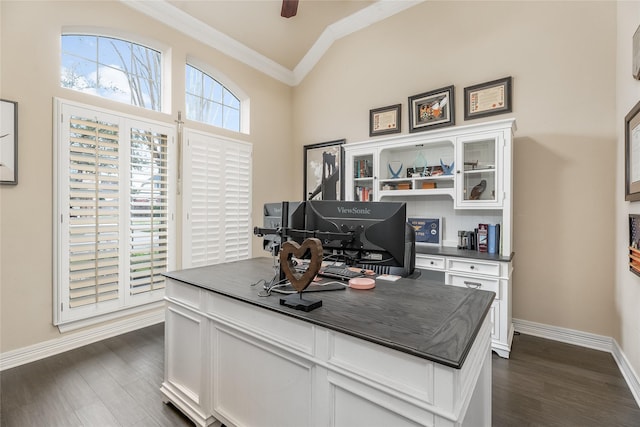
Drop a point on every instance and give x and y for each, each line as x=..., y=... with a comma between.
x=170, y=15
x=370, y=15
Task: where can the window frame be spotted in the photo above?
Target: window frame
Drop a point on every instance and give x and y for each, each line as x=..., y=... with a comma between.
x=165, y=61
x=227, y=83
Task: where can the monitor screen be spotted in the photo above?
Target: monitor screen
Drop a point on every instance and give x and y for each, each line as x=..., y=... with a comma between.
x=372, y=235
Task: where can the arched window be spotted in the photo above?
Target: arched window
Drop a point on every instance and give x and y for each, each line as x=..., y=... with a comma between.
x=112, y=68
x=208, y=101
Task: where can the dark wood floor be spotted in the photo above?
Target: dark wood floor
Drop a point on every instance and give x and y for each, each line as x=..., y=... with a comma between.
x=116, y=383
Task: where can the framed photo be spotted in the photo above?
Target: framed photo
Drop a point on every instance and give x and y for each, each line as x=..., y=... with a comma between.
x=8, y=142
x=636, y=54
x=385, y=120
x=487, y=99
x=323, y=171
x=632, y=154
x=428, y=230
x=431, y=110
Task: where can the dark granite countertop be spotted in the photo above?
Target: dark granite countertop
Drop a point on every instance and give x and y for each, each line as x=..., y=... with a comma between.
x=419, y=317
x=462, y=253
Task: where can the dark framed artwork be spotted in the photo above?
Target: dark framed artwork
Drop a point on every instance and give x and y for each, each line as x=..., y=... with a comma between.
x=488, y=99
x=8, y=142
x=385, y=120
x=323, y=171
x=430, y=110
x=632, y=154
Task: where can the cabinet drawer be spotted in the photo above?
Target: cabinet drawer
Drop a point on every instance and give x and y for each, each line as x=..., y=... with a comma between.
x=473, y=266
x=430, y=262
x=473, y=282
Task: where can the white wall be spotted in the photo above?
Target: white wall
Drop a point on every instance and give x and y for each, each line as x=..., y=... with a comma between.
x=30, y=49
x=562, y=58
x=627, y=291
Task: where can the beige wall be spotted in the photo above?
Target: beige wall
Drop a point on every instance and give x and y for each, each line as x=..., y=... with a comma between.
x=561, y=56
x=627, y=291
x=30, y=40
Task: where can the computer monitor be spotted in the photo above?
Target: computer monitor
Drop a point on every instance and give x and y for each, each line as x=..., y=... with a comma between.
x=369, y=235
x=272, y=219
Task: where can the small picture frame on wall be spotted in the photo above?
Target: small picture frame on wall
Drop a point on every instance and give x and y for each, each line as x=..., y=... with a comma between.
x=632, y=154
x=430, y=110
x=634, y=244
x=385, y=120
x=323, y=171
x=488, y=99
x=8, y=142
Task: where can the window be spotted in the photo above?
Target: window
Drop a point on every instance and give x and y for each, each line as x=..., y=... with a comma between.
x=112, y=68
x=208, y=101
x=115, y=211
x=216, y=200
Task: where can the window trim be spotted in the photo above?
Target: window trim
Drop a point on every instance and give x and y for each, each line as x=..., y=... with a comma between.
x=231, y=86
x=165, y=58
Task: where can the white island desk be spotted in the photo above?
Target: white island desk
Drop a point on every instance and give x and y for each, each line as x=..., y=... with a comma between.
x=406, y=353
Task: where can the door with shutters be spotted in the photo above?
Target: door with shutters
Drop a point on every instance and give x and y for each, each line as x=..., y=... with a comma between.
x=115, y=211
x=216, y=199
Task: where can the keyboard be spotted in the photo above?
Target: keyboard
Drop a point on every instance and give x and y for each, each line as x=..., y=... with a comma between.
x=339, y=272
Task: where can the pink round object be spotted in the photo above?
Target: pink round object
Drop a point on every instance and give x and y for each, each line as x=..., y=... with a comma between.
x=362, y=283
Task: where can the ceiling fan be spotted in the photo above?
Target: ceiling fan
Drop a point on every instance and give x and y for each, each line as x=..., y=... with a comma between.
x=289, y=8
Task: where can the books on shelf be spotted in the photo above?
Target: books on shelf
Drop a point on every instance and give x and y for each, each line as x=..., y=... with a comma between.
x=363, y=168
x=363, y=194
x=485, y=238
x=493, y=239
x=483, y=231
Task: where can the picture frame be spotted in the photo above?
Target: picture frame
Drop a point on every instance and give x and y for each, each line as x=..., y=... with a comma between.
x=8, y=142
x=632, y=154
x=385, y=120
x=431, y=110
x=324, y=171
x=428, y=230
x=635, y=55
x=634, y=244
x=488, y=99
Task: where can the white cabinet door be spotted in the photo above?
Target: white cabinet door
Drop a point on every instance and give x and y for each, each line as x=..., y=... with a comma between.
x=360, y=173
x=479, y=171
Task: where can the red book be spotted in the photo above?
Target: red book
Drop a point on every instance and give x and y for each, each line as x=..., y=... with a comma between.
x=483, y=233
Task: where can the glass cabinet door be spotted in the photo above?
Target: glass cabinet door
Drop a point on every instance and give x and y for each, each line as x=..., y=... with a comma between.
x=478, y=172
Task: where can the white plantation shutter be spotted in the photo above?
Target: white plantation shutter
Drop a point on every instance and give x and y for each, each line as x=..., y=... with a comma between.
x=115, y=208
x=149, y=213
x=216, y=199
x=93, y=202
x=237, y=225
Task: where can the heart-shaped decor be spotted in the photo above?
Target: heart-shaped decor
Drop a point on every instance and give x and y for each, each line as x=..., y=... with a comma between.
x=300, y=281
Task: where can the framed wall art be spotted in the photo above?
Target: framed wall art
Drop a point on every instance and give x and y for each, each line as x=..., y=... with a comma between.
x=323, y=171
x=8, y=142
x=632, y=154
x=487, y=99
x=430, y=110
x=428, y=230
x=385, y=120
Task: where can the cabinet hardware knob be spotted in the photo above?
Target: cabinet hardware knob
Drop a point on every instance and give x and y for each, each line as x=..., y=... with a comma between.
x=472, y=267
x=457, y=171
x=432, y=263
x=474, y=285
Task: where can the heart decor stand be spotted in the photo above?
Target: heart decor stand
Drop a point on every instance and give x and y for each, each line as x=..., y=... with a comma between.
x=300, y=281
x=298, y=302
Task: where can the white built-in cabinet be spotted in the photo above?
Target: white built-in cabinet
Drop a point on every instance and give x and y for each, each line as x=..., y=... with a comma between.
x=458, y=159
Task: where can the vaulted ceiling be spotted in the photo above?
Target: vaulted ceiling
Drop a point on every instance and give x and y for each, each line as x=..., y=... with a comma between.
x=253, y=31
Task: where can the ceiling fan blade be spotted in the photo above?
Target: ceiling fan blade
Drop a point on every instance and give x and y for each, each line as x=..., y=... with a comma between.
x=289, y=8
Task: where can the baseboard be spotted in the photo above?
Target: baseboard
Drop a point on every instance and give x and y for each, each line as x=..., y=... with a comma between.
x=629, y=374
x=569, y=336
x=13, y=358
x=584, y=339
